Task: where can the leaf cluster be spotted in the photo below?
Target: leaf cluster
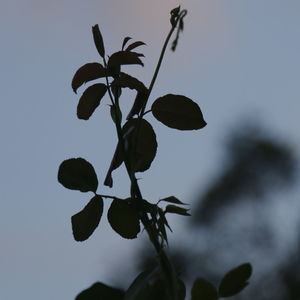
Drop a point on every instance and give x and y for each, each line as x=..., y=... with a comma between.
x=123, y=214
x=149, y=285
x=137, y=145
x=231, y=284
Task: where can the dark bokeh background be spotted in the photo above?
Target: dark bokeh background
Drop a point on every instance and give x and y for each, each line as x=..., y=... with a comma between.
x=246, y=213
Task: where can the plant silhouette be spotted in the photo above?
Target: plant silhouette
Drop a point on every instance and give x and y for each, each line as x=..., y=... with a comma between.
x=136, y=148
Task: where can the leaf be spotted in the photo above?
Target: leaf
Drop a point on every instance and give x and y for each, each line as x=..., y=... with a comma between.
x=78, y=174
x=139, y=284
x=141, y=148
x=127, y=81
x=116, y=91
x=134, y=45
x=235, y=280
x=115, y=71
x=138, y=103
x=116, y=162
x=178, y=112
x=162, y=223
x=163, y=218
x=176, y=210
x=142, y=144
x=126, y=39
x=203, y=290
x=124, y=58
x=149, y=207
x=86, y=221
x=87, y=72
x=172, y=199
x=99, y=291
x=98, y=40
x=181, y=289
x=124, y=218
x=158, y=290
x=90, y=100
x=162, y=229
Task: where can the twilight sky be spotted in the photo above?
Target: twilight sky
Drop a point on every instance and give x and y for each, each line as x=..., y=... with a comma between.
x=239, y=60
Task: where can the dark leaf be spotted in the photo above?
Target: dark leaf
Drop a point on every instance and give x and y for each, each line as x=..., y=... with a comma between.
x=86, y=221
x=235, y=280
x=203, y=290
x=90, y=100
x=116, y=91
x=172, y=199
x=141, y=145
x=162, y=224
x=176, y=210
x=127, y=81
x=87, y=72
x=178, y=112
x=115, y=71
x=115, y=163
x=100, y=291
x=124, y=218
x=138, y=103
x=126, y=39
x=149, y=207
x=158, y=290
x=181, y=289
x=140, y=284
x=164, y=219
x=124, y=58
x=162, y=229
x=134, y=45
x=78, y=174
x=98, y=40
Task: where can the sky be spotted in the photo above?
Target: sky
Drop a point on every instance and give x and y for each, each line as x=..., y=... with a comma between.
x=239, y=60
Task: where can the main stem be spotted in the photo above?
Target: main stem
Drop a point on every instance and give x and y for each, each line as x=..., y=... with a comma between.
x=165, y=263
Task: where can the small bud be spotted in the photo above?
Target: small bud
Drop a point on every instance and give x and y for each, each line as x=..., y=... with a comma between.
x=98, y=40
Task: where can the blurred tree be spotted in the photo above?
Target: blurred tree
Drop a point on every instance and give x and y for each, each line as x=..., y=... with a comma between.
x=290, y=273
x=254, y=167
x=233, y=218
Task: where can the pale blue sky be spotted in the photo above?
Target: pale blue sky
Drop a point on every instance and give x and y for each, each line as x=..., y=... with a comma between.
x=236, y=59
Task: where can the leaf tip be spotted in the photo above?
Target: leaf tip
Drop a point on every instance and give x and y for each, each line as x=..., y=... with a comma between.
x=98, y=40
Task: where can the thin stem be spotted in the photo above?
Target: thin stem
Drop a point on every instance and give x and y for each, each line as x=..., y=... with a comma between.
x=146, y=112
x=162, y=53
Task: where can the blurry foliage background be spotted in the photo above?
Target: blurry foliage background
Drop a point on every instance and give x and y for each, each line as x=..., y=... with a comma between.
x=238, y=59
x=244, y=214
